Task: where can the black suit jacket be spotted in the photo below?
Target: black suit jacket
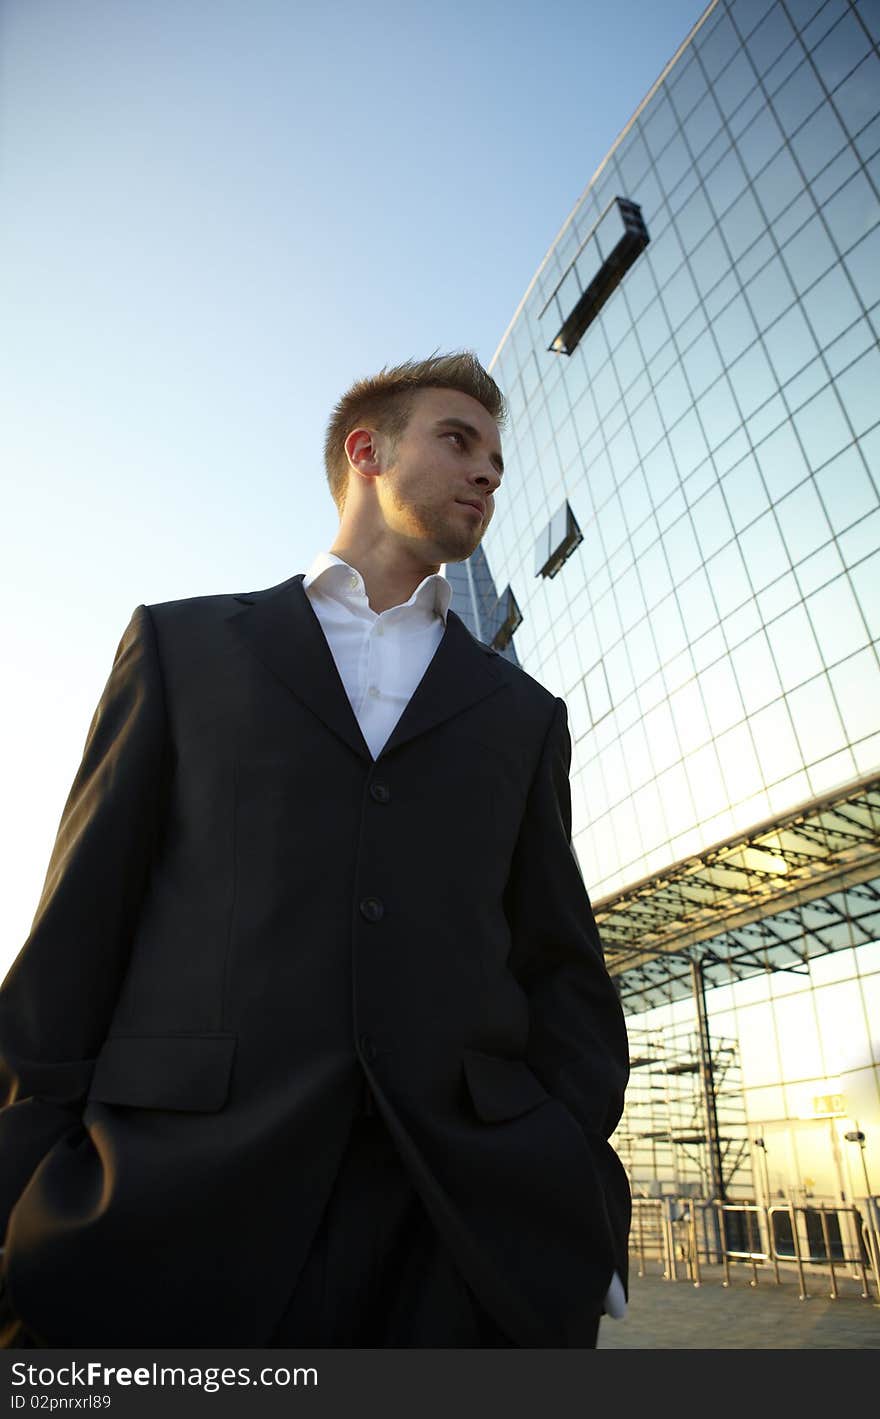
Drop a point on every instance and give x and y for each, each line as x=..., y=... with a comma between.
x=243, y=915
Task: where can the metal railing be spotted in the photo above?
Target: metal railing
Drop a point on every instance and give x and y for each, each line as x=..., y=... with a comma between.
x=787, y=1238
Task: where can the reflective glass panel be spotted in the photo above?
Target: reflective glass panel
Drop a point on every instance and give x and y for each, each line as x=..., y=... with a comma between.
x=816, y=721
x=757, y=145
x=802, y=520
x=778, y=184
x=718, y=413
x=856, y=99
x=790, y=344
x=831, y=307
x=797, y=98
x=842, y=49
x=752, y=380
x=818, y=142
x=764, y=551
x=856, y=685
x=729, y=580
x=734, y=330
x=755, y=672
x=822, y=428
x=837, y=623
x=769, y=40
x=781, y=462
x=794, y=648
x=852, y=211
x=858, y=388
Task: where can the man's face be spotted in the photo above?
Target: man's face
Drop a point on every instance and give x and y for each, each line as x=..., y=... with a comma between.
x=447, y=460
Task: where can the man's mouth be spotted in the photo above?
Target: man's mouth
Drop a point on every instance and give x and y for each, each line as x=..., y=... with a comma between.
x=476, y=507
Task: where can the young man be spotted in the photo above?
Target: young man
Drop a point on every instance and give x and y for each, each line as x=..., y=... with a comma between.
x=312, y=1040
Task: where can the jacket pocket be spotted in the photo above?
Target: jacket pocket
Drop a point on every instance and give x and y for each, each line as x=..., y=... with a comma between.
x=187, y=1072
x=501, y=1088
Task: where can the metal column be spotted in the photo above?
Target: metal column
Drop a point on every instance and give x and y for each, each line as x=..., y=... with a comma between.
x=716, y=1177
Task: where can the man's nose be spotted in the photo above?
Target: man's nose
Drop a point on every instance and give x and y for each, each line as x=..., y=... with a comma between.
x=487, y=477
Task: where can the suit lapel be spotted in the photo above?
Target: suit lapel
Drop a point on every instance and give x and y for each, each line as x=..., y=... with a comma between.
x=280, y=627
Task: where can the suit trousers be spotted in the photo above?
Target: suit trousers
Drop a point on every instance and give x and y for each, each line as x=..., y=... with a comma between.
x=378, y=1275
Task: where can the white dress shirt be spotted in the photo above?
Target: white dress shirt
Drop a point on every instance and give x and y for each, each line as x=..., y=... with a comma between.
x=381, y=658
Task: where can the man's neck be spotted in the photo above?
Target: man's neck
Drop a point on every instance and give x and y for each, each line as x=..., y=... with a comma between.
x=387, y=584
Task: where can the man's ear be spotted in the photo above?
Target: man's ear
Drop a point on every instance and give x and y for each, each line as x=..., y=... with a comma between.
x=363, y=452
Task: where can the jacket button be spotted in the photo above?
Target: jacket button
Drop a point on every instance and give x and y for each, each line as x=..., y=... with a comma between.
x=372, y=908
x=368, y=1049
x=380, y=792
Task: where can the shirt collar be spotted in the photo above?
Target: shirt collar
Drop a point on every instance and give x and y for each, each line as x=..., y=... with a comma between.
x=434, y=592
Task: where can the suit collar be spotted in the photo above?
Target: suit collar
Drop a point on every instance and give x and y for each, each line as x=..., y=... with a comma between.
x=280, y=627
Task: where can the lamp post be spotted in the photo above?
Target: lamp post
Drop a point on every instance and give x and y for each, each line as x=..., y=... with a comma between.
x=873, y=1228
x=760, y=1143
x=856, y=1136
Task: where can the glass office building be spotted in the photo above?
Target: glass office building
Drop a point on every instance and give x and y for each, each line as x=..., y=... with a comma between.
x=687, y=550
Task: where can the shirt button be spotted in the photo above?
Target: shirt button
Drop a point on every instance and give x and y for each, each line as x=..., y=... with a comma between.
x=372, y=909
x=380, y=792
x=352, y=581
x=380, y=630
x=373, y=691
x=368, y=1048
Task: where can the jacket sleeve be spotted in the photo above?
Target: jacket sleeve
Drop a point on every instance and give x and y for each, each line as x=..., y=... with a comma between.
x=58, y=998
x=577, y=1035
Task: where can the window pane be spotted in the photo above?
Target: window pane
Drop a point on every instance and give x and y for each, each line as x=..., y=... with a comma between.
x=709, y=262
x=735, y=83
x=771, y=37
x=694, y=221
x=718, y=413
x=726, y=181
x=764, y=551
x=863, y=265
x=809, y=255
x=856, y=685
x=744, y=493
x=796, y=99
x=752, y=380
x=840, y=51
x=680, y=297
x=778, y=751
x=696, y=605
x=856, y=99
x=816, y=721
x=759, y=142
x=755, y=672
x=658, y=123
x=717, y=47
x=742, y=224
x=781, y=462
x=769, y=293
x=858, y=389
x=818, y=142
x=729, y=580
x=852, y=211
x=836, y=621
x=703, y=124
x=680, y=545
x=711, y=521
x=803, y=522
x=846, y=490
x=831, y=306
x=822, y=428
x=790, y=344
x=688, y=88
x=794, y=648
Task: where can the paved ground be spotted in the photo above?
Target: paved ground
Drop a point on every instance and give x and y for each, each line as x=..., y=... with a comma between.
x=666, y=1315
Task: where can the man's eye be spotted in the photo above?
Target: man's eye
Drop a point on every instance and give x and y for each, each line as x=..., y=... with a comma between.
x=453, y=433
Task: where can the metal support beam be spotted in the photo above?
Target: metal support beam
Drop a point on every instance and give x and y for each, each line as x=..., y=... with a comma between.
x=713, y=1144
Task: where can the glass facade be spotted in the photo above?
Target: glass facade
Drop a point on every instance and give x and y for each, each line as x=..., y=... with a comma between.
x=715, y=433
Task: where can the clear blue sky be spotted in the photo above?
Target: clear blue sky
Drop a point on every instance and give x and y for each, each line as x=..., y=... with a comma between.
x=216, y=214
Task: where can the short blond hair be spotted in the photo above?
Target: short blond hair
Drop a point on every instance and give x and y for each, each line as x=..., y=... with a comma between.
x=384, y=402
